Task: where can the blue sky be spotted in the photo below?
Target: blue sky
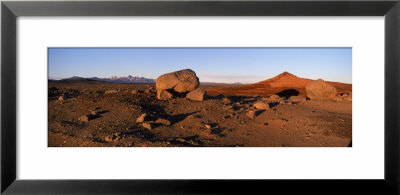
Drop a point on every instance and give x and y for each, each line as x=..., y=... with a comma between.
x=245, y=65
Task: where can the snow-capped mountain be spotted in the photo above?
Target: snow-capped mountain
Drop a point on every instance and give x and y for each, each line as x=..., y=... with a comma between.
x=128, y=79
x=113, y=79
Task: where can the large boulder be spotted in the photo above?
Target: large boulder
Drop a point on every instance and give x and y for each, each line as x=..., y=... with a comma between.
x=198, y=94
x=179, y=82
x=320, y=90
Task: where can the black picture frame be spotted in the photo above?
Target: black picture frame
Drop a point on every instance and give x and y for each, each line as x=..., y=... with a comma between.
x=11, y=10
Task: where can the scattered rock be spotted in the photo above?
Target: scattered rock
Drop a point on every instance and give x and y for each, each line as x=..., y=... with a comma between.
x=320, y=90
x=110, y=91
x=198, y=94
x=148, y=126
x=181, y=82
x=164, y=95
x=190, y=117
x=261, y=105
x=343, y=97
x=84, y=118
x=274, y=97
x=297, y=99
x=149, y=90
x=226, y=100
x=110, y=138
x=225, y=117
x=142, y=118
x=253, y=113
x=163, y=121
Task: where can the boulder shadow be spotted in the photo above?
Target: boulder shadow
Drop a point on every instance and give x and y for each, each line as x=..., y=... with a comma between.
x=287, y=93
x=180, y=117
x=98, y=115
x=273, y=104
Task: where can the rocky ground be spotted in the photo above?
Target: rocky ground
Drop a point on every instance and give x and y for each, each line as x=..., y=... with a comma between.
x=98, y=114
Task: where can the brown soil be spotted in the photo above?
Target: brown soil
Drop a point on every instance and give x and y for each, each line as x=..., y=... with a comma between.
x=312, y=123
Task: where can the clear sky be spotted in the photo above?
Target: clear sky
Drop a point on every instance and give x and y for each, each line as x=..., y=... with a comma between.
x=229, y=65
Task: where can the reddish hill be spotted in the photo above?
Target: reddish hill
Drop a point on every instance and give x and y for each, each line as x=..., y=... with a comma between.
x=283, y=81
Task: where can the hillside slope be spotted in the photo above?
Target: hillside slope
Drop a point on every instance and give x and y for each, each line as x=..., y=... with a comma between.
x=279, y=83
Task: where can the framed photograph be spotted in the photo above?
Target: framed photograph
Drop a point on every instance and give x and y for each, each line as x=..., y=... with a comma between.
x=205, y=97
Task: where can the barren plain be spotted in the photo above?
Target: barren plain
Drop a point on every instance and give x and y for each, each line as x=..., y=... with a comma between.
x=87, y=113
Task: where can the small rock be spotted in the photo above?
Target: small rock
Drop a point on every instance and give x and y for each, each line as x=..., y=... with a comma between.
x=148, y=126
x=110, y=138
x=141, y=118
x=163, y=121
x=190, y=117
x=93, y=112
x=180, y=140
x=226, y=100
x=261, y=105
x=297, y=99
x=134, y=92
x=84, y=118
x=61, y=98
x=208, y=126
x=149, y=91
x=274, y=97
x=110, y=91
x=164, y=95
x=198, y=94
x=251, y=114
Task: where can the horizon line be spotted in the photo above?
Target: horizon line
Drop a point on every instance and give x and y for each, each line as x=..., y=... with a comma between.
x=235, y=82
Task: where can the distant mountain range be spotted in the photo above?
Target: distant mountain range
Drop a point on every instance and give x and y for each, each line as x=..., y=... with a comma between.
x=128, y=79
x=119, y=79
x=113, y=79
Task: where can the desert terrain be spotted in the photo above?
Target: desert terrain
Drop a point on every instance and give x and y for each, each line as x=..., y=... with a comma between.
x=271, y=113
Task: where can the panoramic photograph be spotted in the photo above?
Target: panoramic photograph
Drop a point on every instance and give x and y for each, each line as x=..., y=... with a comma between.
x=199, y=97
